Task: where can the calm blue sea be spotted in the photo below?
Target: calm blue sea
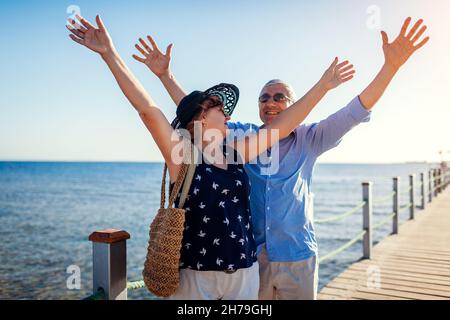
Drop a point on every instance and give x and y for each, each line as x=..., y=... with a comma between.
x=48, y=209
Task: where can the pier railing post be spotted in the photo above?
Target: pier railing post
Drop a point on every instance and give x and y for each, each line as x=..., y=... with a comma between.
x=430, y=185
x=438, y=175
x=422, y=190
x=110, y=263
x=435, y=183
x=396, y=204
x=442, y=178
x=411, y=196
x=367, y=219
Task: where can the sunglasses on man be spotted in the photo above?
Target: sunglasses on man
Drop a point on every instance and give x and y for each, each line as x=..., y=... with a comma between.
x=277, y=97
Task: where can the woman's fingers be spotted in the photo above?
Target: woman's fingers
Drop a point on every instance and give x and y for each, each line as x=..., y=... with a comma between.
x=138, y=58
x=419, y=34
x=346, y=79
x=75, y=31
x=405, y=26
x=137, y=46
x=340, y=65
x=77, y=26
x=84, y=22
x=422, y=43
x=77, y=40
x=414, y=29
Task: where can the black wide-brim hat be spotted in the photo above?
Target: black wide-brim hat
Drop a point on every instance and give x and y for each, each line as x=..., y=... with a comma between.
x=227, y=93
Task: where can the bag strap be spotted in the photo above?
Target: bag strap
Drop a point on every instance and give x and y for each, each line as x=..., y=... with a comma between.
x=188, y=179
x=187, y=164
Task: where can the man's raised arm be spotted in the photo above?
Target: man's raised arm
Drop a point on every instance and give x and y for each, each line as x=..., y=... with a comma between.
x=395, y=55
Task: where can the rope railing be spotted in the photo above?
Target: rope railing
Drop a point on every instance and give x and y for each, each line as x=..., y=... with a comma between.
x=342, y=216
x=344, y=247
x=136, y=285
x=384, y=199
x=114, y=239
x=384, y=221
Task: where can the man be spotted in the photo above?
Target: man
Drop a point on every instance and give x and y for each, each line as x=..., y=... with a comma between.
x=280, y=199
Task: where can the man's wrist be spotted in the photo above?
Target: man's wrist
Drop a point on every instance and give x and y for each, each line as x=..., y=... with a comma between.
x=166, y=76
x=390, y=68
x=110, y=54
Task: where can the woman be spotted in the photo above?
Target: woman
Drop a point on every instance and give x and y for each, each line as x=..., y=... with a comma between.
x=218, y=259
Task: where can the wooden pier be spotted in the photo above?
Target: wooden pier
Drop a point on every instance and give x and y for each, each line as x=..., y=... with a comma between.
x=413, y=264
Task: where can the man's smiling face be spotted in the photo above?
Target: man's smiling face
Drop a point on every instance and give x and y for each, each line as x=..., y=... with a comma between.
x=271, y=102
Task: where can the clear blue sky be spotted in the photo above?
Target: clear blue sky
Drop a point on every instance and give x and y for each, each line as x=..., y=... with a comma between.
x=59, y=101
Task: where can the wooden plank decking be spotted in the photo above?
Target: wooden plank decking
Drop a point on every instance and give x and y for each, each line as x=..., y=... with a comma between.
x=414, y=264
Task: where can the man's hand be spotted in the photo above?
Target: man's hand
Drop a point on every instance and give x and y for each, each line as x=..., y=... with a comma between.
x=337, y=74
x=154, y=59
x=96, y=39
x=399, y=51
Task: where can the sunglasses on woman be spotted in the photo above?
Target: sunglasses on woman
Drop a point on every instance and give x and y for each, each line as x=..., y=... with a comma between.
x=277, y=97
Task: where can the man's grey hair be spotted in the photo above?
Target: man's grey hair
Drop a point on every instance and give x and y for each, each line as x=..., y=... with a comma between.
x=290, y=90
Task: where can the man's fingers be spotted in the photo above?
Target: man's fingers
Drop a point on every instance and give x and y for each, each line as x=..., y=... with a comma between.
x=77, y=40
x=153, y=43
x=75, y=31
x=169, y=50
x=405, y=26
x=421, y=44
x=414, y=29
x=139, y=58
x=347, y=74
x=84, y=22
x=419, y=34
x=137, y=46
x=346, y=68
x=384, y=36
x=145, y=45
x=340, y=65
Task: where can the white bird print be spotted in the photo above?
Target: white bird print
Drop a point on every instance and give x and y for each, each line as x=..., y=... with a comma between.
x=198, y=177
x=218, y=261
x=188, y=245
x=235, y=200
x=239, y=218
x=216, y=241
x=215, y=185
x=247, y=226
x=225, y=191
x=206, y=219
x=222, y=204
x=201, y=234
x=240, y=170
x=199, y=265
x=201, y=205
x=230, y=266
x=208, y=170
x=187, y=227
x=203, y=252
x=246, y=238
x=188, y=209
x=243, y=256
x=238, y=183
x=196, y=190
x=226, y=221
x=241, y=241
x=232, y=235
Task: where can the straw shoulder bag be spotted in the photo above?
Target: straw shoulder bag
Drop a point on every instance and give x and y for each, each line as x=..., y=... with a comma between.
x=161, y=267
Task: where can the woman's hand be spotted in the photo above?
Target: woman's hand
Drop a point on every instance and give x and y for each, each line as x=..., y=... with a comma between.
x=337, y=74
x=155, y=60
x=95, y=38
x=399, y=51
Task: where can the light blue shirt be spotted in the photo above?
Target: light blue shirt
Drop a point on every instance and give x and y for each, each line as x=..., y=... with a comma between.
x=281, y=183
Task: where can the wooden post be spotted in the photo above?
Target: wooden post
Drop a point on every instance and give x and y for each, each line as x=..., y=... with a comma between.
x=412, y=201
x=430, y=185
x=396, y=203
x=442, y=178
x=435, y=183
x=110, y=262
x=438, y=178
x=367, y=220
x=422, y=190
